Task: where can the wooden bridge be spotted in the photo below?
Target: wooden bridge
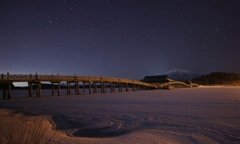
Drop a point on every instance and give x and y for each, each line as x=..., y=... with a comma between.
x=92, y=83
x=73, y=83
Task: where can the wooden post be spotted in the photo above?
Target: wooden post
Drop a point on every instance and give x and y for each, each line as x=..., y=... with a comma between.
x=39, y=90
x=53, y=89
x=30, y=89
x=120, y=87
x=69, y=88
x=126, y=87
x=37, y=87
x=90, y=92
x=93, y=88
x=59, y=88
x=4, y=91
x=9, y=90
x=36, y=76
x=111, y=87
x=8, y=76
x=114, y=87
x=101, y=87
x=77, y=92
x=105, y=87
x=83, y=88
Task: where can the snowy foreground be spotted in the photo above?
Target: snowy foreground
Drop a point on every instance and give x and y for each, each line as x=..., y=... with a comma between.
x=197, y=115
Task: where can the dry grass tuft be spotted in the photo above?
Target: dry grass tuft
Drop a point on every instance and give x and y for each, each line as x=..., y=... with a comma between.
x=21, y=129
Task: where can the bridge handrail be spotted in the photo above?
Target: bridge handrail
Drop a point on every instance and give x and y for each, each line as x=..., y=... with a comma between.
x=51, y=77
x=75, y=78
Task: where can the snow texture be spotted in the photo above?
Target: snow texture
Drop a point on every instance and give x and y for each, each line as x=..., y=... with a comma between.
x=190, y=115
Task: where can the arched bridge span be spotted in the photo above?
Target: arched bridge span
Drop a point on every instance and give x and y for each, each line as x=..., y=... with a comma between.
x=73, y=84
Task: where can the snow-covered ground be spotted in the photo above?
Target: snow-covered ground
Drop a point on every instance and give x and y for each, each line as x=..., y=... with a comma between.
x=190, y=115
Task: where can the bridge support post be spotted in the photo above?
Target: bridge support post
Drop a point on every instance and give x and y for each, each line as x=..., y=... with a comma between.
x=94, y=88
x=9, y=90
x=6, y=89
x=120, y=87
x=133, y=87
x=126, y=87
x=77, y=91
x=59, y=87
x=90, y=91
x=69, y=88
x=30, y=90
x=84, y=88
x=105, y=88
x=111, y=87
x=34, y=87
x=101, y=87
x=54, y=89
x=39, y=93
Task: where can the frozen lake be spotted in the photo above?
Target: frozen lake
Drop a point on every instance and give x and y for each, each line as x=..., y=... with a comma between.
x=190, y=115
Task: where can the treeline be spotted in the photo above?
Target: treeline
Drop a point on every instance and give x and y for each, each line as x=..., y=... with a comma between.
x=218, y=78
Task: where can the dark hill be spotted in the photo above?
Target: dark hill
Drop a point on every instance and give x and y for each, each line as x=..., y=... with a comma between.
x=218, y=78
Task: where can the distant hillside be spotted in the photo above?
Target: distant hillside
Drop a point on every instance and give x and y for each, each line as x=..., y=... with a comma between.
x=181, y=75
x=218, y=78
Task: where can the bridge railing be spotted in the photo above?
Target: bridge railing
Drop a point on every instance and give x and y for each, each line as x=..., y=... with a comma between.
x=58, y=78
x=74, y=78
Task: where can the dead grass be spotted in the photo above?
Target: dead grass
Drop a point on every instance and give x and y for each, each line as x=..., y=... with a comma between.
x=21, y=129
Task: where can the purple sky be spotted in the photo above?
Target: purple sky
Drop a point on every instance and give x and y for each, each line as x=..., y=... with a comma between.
x=118, y=38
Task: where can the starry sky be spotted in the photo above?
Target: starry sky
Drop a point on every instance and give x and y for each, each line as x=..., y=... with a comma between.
x=119, y=38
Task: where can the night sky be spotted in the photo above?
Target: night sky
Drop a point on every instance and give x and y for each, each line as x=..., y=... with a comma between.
x=119, y=38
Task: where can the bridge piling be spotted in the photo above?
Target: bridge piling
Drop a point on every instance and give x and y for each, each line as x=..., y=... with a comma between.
x=105, y=87
x=69, y=88
x=77, y=91
x=95, y=87
x=34, y=87
x=59, y=89
x=90, y=91
x=133, y=87
x=6, y=89
x=84, y=88
x=101, y=87
x=39, y=93
x=54, y=89
x=114, y=89
x=34, y=84
x=111, y=88
x=30, y=90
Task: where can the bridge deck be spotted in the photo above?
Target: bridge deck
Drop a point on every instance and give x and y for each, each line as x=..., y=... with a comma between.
x=35, y=80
